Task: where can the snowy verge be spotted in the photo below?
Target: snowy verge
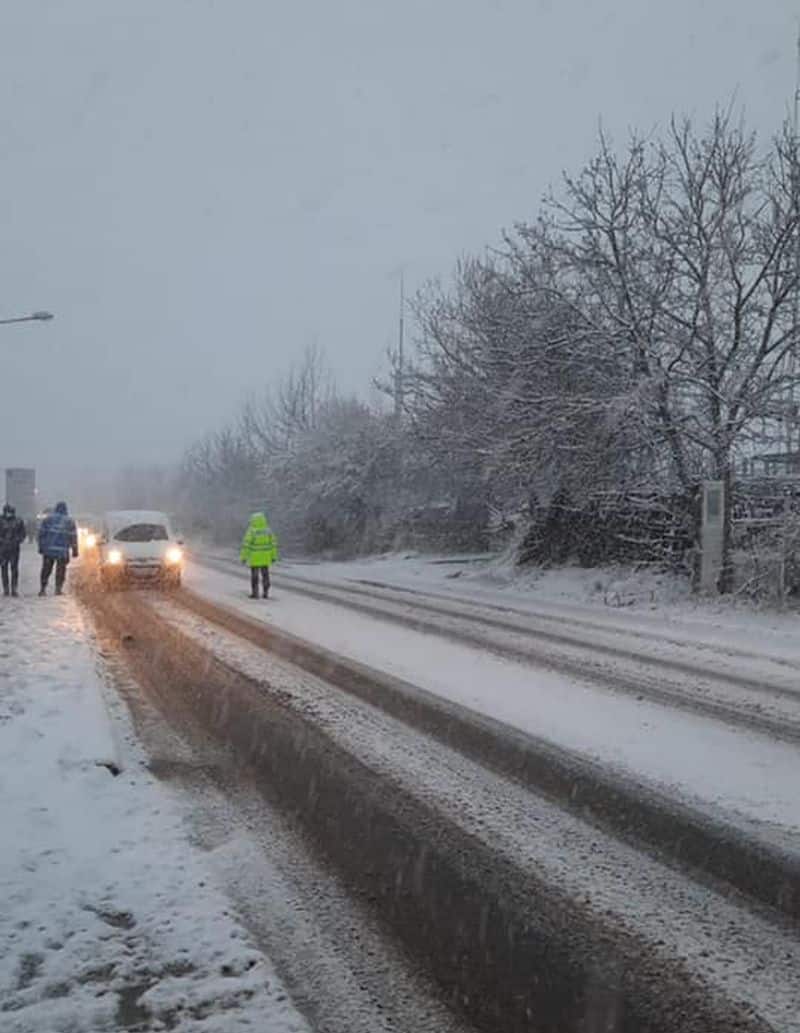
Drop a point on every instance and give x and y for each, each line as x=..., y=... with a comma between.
x=110, y=919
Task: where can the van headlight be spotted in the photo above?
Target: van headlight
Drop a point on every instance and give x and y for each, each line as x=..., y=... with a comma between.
x=115, y=557
x=174, y=555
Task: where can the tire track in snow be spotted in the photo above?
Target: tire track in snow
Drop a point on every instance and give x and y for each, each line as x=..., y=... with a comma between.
x=730, y=698
x=457, y=862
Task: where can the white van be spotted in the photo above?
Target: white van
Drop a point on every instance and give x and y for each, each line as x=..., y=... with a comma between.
x=139, y=545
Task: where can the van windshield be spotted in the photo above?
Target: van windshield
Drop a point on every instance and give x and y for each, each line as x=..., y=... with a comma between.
x=142, y=533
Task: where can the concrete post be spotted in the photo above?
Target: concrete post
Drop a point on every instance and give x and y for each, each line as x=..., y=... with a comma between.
x=712, y=531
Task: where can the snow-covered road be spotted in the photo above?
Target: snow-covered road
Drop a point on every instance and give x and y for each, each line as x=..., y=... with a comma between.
x=324, y=770
x=516, y=903
x=741, y=774
x=110, y=918
x=649, y=605
x=534, y=834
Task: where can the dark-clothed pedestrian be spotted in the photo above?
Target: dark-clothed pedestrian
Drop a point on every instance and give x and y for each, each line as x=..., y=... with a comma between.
x=259, y=551
x=12, y=535
x=58, y=539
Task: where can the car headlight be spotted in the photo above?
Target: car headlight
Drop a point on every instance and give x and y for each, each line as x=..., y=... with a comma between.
x=174, y=555
x=91, y=540
x=114, y=557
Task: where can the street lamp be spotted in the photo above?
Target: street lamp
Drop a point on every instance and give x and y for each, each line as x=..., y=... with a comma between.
x=38, y=316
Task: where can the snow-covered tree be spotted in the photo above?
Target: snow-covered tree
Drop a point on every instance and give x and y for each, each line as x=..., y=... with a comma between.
x=682, y=254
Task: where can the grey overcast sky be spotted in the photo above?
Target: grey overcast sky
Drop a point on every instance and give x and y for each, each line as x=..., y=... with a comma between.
x=199, y=188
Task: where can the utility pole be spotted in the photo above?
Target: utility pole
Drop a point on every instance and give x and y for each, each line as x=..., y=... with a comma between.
x=791, y=416
x=399, y=365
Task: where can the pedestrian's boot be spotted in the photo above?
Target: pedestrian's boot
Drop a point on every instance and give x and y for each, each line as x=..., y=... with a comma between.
x=59, y=591
x=42, y=591
x=254, y=595
x=14, y=592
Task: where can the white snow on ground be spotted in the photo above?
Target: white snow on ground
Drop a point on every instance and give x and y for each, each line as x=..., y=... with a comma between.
x=742, y=774
x=645, y=600
x=739, y=953
x=109, y=919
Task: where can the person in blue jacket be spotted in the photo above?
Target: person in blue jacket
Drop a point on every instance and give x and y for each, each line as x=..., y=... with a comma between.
x=58, y=538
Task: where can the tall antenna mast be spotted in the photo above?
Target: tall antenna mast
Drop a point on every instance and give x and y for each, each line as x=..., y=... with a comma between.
x=790, y=415
x=399, y=369
x=797, y=83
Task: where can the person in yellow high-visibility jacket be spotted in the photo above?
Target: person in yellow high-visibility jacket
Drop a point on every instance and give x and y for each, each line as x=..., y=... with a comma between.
x=259, y=551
